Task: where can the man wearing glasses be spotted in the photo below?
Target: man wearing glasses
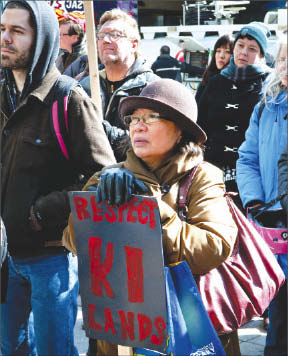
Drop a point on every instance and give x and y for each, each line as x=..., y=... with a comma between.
x=72, y=43
x=124, y=73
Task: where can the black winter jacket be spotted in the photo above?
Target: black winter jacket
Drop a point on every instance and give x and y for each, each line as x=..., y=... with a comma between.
x=224, y=111
x=136, y=79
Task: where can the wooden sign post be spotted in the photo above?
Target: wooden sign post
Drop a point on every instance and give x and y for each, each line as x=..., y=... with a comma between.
x=92, y=54
x=121, y=271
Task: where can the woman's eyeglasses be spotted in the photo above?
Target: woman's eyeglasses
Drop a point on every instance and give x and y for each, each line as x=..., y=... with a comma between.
x=147, y=119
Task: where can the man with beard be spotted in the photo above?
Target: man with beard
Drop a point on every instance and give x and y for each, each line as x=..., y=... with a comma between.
x=124, y=73
x=41, y=304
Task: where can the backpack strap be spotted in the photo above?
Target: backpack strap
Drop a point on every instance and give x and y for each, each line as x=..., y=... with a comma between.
x=60, y=95
x=261, y=108
x=184, y=186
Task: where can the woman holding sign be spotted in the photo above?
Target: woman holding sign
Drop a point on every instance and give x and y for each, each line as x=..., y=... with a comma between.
x=165, y=146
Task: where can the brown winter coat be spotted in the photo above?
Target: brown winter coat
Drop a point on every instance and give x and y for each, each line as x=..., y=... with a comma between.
x=206, y=239
x=34, y=171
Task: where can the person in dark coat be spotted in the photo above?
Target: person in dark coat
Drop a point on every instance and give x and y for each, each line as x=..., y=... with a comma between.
x=222, y=53
x=229, y=98
x=168, y=67
x=72, y=42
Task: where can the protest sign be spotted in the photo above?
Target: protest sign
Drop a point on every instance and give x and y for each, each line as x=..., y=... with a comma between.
x=121, y=272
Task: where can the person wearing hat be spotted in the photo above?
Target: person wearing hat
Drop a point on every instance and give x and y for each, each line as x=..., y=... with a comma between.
x=229, y=97
x=166, y=143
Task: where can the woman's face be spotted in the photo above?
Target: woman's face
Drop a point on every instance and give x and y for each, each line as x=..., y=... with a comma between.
x=246, y=52
x=155, y=141
x=222, y=57
x=282, y=65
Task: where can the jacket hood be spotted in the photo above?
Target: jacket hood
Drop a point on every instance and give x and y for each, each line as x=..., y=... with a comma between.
x=46, y=47
x=139, y=66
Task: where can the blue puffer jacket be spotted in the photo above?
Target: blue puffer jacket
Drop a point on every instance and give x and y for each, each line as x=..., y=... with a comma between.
x=257, y=166
x=265, y=140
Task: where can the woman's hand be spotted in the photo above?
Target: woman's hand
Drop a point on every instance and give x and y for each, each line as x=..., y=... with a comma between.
x=117, y=186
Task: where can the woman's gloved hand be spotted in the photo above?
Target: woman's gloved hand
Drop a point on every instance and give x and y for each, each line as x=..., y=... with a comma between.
x=117, y=186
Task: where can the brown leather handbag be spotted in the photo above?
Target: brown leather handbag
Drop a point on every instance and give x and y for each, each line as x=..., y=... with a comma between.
x=243, y=286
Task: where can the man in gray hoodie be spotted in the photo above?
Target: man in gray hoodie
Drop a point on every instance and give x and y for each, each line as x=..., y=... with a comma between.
x=41, y=305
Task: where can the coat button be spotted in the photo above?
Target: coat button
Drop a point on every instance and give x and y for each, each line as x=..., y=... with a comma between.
x=165, y=188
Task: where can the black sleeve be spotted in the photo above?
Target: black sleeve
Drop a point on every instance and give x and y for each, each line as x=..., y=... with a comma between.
x=283, y=179
x=199, y=92
x=203, y=107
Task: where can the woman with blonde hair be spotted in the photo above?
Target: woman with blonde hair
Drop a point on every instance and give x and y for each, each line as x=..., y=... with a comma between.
x=257, y=178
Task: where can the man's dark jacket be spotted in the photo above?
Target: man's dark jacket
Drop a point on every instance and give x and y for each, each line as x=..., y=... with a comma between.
x=136, y=79
x=168, y=67
x=34, y=170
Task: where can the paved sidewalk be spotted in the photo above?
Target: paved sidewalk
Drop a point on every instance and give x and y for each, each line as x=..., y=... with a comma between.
x=252, y=336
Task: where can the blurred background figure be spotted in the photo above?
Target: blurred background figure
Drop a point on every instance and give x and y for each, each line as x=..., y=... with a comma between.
x=72, y=42
x=257, y=179
x=166, y=66
x=180, y=54
x=222, y=52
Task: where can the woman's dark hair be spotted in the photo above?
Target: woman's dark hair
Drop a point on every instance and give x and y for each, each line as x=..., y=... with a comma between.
x=74, y=29
x=223, y=41
x=184, y=146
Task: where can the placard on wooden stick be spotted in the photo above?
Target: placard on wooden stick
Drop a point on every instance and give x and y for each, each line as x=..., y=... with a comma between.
x=121, y=271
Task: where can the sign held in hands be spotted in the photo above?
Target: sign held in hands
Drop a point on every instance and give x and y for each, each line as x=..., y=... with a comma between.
x=121, y=270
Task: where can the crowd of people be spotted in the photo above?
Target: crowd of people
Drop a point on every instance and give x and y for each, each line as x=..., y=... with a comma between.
x=151, y=133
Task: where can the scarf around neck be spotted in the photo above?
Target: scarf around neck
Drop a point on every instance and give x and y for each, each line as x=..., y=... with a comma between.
x=250, y=72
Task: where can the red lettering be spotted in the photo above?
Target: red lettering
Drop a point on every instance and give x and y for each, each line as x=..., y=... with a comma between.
x=109, y=323
x=142, y=208
x=92, y=322
x=151, y=205
x=110, y=218
x=127, y=327
x=160, y=326
x=131, y=208
x=145, y=326
x=98, y=270
x=135, y=274
x=121, y=210
x=96, y=210
x=81, y=208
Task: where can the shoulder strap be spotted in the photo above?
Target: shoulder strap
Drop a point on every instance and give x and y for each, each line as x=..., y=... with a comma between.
x=261, y=108
x=183, y=193
x=58, y=111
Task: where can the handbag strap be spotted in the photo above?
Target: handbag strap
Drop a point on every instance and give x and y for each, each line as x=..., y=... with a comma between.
x=183, y=193
x=182, y=204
